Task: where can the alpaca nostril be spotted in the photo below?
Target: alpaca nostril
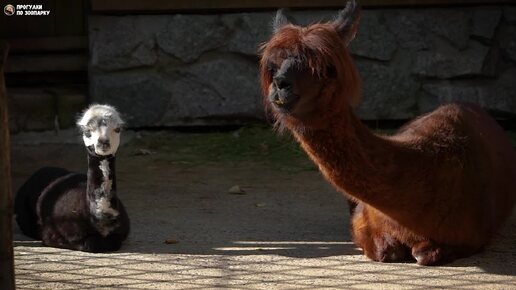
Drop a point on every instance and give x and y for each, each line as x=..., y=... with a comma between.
x=277, y=100
x=103, y=143
x=281, y=99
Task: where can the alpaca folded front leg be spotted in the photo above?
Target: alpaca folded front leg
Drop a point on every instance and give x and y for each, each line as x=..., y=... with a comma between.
x=429, y=253
x=50, y=238
x=390, y=250
x=384, y=248
x=378, y=246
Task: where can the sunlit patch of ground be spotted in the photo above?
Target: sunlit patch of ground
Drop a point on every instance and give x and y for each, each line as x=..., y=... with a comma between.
x=287, y=229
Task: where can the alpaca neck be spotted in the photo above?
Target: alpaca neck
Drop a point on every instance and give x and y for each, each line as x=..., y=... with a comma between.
x=101, y=186
x=370, y=168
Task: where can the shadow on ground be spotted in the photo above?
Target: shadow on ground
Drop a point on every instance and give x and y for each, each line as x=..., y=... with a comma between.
x=289, y=229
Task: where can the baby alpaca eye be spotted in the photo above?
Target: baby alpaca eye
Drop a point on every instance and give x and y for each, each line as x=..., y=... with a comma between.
x=87, y=133
x=331, y=72
x=271, y=68
x=117, y=130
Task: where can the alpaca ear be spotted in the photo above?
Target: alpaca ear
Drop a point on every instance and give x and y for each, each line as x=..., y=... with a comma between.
x=281, y=19
x=346, y=22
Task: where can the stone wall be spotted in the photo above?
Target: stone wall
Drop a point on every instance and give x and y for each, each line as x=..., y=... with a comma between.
x=166, y=70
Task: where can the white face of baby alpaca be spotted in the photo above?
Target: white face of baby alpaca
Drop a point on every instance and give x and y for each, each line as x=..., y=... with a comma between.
x=104, y=139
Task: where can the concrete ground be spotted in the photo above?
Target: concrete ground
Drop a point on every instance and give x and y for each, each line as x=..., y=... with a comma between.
x=288, y=231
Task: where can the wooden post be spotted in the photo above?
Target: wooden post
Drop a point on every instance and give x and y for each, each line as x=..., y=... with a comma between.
x=6, y=199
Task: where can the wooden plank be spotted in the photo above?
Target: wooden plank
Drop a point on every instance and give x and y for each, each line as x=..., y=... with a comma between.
x=157, y=6
x=6, y=199
x=30, y=63
x=70, y=18
x=48, y=44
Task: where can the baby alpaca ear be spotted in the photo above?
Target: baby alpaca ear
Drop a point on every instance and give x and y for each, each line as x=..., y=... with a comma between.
x=281, y=19
x=346, y=22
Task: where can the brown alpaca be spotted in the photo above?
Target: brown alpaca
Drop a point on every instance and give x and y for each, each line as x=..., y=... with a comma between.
x=436, y=191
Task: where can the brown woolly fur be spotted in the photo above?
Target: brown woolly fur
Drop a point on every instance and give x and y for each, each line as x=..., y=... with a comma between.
x=435, y=191
x=319, y=47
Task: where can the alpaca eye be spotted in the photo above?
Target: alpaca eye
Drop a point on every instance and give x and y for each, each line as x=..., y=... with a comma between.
x=87, y=133
x=331, y=72
x=272, y=68
x=117, y=130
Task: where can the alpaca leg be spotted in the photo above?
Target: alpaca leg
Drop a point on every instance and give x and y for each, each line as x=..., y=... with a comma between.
x=51, y=238
x=389, y=249
x=429, y=253
x=384, y=248
x=93, y=244
x=377, y=245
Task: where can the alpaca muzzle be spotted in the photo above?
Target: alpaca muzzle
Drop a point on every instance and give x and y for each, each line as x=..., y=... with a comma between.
x=283, y=98
x=103, y=144
x=283, y=95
